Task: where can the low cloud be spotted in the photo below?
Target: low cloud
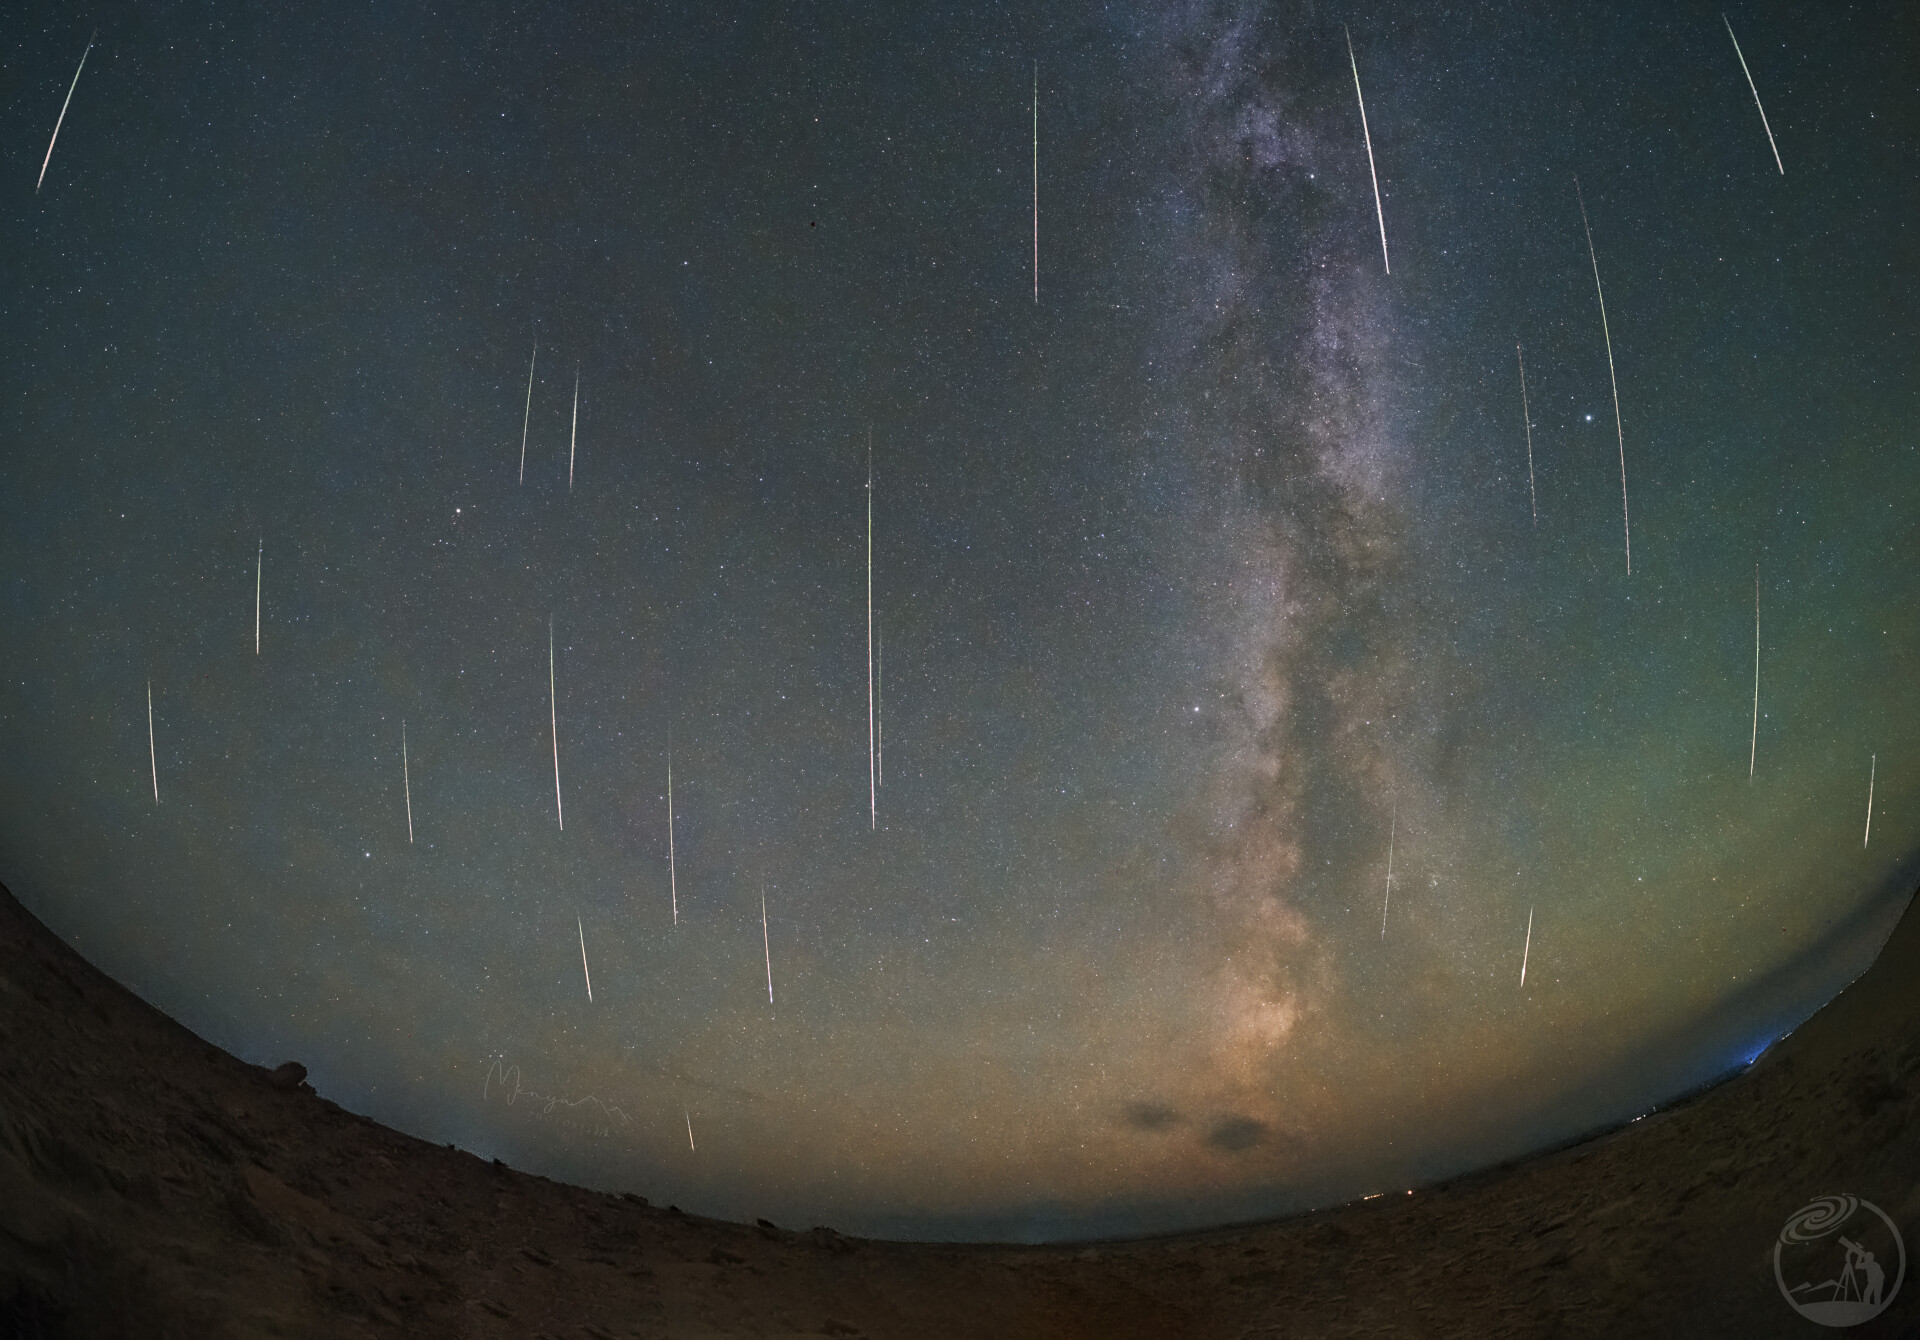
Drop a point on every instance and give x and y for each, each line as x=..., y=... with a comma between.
x=1234, y=1135
x=1149, y=1116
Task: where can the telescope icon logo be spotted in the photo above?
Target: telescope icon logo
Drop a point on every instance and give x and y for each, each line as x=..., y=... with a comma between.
x=1839, y=1261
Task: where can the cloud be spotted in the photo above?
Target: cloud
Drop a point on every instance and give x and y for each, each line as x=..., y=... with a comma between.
x=1235, y=1135
x=1149, y=1116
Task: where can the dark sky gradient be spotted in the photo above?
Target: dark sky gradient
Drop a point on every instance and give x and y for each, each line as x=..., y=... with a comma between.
x=1199, y=580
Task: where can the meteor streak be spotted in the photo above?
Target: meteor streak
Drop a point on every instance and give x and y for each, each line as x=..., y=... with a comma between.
x=873, y=776
x=405, y=779
x=259, y=565
x=1873, y=764
x=153, y=759
x=1392, y=828
x=880, y=704
x=1036, y=180
x=574, y=435
x=527, y=417
x=583, y=957
x=1753, y=745
x=1378, y=211
x=1619, y=433
x=689, y=1116
x=766, y=943
x=1743, y=70
x=63, y=113
x=673, y=883
x=553, y=719
x=1526, y=415
x=1528, y=949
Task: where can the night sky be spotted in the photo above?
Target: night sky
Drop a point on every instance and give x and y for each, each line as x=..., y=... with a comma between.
x=1199, y=582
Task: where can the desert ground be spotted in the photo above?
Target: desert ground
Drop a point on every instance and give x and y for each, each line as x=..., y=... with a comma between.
x=152, y=1185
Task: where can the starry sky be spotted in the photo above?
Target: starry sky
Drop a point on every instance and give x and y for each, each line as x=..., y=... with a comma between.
x=1259, y=686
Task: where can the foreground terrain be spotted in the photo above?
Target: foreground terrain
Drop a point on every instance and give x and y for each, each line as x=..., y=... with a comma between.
x=153, y=1185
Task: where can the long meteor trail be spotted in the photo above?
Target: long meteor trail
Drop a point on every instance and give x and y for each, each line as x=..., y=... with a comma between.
x=578, y=925
x=1036, y=179
x=1528, y=417
x=406, y=780
x=153, y=759
x=259, y=566
x=673, y=880
x=1379, y=213
x=63, y=113
x=880, y=705
x=573, y=436
x=766, y=943
x=527, y=416
x=1756, y=97
x=873, y=776
x=1873, y=765
x=1525, y=952
x=1619, y=433
x=1753, y=744
x=1392, y=828
x=553, y=720
x=689, y=1116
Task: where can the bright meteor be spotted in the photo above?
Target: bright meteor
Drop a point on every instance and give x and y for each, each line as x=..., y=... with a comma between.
x=63, y=113
x=1753, y=744
x=153, y=759
x=1873, y=766
x=527, y=417
x=1036, y=180
x=1619, y=433
x=553, y=719
x=765, y=943
x=873, y=778
x=1379, y=213
x=1756, y=97
x=581, y=927
x=406, y=780
x=1526, y=415
x=673, y=880
x=1392, y=829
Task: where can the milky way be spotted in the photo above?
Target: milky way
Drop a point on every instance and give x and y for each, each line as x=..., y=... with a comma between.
x=1206, y=580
